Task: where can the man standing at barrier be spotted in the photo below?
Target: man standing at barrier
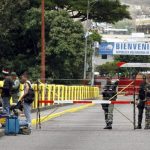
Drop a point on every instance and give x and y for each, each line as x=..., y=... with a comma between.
x=147, y=105
x=109, y=93
x=141, y=102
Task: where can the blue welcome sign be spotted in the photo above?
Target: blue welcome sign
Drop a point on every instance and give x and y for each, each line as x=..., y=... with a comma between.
x=124, y=48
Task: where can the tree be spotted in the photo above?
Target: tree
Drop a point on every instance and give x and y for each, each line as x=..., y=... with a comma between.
x=126, y=24
x=64, y=42
x=109, y=11
x=95, y=36
x=132, y=59
x=20, y=34
x=110, y=68
x=11, y=29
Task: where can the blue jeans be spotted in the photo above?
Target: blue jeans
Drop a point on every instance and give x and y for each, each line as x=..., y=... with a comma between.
x=27, y=112
x=6, y=105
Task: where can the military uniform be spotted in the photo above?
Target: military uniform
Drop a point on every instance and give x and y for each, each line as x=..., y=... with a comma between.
x=141, y=104
x=15, y=90
x=108, y=93
x=6, y=94
x=147, y=107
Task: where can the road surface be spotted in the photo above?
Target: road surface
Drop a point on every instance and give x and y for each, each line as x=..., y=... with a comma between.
x=83, y=130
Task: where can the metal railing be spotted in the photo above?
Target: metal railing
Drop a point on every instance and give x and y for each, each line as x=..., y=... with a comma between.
x=60, y=92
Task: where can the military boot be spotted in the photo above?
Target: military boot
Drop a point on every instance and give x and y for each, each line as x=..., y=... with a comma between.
x=138, y=127
x=108, y=126
x=147, y=128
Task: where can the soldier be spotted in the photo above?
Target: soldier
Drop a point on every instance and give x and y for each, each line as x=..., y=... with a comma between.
x=15, y=88
x=141, y=102
x=108, y=93
x=147, y=105
x=6, y=92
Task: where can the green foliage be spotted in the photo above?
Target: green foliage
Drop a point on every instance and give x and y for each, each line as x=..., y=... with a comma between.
x=109, y=11
x=110, y=68
x=11, y=30
x=64, y=42
x=20, y=34
x=125, y=24
x=96, y=36
x=132, y=59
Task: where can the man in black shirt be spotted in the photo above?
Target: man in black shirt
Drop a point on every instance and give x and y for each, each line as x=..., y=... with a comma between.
x=6, y=92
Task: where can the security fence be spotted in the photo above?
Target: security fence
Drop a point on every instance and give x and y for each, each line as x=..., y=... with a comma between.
x=60, y=92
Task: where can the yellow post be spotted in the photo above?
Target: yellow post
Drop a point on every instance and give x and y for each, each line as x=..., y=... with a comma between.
x=86, y=88
x=42, y=93
x=62, y=92
x=72, y=93
x=69, y=93
x=75, y=93
x=80, y=91
x=82, y=88
x=58, y=92
x=49, y=93
x=54, y=92
x=66, y=92
x=83, y=92
x=36, y=96
x=89, y=92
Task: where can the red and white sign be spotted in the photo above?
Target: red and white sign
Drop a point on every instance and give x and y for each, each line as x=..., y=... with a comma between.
x=133, y=65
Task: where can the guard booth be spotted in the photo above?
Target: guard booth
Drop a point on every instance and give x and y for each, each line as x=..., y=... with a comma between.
x=137, y=78
x=126, y=81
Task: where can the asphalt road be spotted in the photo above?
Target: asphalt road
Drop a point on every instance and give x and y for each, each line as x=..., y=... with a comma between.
x=83, y=130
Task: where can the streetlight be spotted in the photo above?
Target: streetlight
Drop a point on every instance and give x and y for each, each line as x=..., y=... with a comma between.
x=86, y=35
x=43, y=42
x=95, y=47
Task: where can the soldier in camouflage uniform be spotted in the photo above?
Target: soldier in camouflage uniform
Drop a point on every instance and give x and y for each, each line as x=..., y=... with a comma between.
x=147, y=106
x=141, y=102
x=108, y=93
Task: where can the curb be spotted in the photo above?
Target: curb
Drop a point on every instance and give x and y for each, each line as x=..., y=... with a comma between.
x=70, y=110
x=49, y=107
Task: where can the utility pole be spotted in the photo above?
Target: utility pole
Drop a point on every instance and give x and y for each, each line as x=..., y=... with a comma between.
x=43, y=42
x=95, y=48
x=87, y=34
x=86, y=39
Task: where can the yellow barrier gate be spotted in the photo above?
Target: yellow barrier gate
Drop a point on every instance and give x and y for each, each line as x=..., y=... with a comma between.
x=60, y=92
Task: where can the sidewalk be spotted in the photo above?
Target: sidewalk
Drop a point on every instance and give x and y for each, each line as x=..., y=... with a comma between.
x=51, y=113
x=1, y=132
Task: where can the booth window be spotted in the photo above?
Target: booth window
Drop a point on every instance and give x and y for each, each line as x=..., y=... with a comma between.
x=104, y=56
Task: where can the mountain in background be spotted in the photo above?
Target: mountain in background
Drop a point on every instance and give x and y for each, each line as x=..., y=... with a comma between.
x=137, y=2
x=138, y=8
